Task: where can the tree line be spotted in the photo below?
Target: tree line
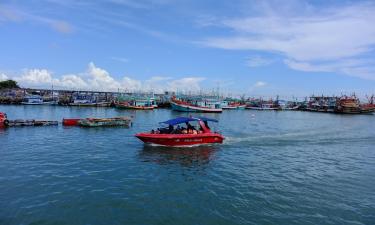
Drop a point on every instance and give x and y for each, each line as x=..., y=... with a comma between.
x=8, y=84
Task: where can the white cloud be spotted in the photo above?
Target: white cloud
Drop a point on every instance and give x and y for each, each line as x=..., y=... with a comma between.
x=353, y=67
x=3, y=77
x=131, y=84
x=35, y=76
x=186, y=84
x=257, y=61
x=306, y=34
x=259, y=84
x=98, y=79
x=11, y=14
x=72, y=81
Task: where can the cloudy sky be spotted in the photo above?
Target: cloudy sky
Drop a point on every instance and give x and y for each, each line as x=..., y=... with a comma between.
x=241, y=47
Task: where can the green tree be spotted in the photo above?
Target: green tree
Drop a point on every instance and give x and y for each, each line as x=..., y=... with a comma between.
x=8, y=84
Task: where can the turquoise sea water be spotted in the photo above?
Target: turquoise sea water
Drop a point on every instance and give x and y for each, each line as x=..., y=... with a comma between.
x=273, y=168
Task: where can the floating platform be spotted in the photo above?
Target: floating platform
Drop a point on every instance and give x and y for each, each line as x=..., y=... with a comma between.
x=21, y=123
x=98, y=122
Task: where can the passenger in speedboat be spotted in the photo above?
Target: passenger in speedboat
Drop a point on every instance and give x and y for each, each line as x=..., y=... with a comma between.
x=170, y=129
x=189, y=129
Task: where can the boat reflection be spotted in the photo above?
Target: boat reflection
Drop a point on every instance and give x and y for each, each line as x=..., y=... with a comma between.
x=188, y=157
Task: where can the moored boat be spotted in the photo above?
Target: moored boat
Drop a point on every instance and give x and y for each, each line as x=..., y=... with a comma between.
x=263, y=107
x=369, y=107
x=204, y=106
x=232, y=105
x=32, y=100
x=260, y=104
x=128, y=105
x=348, y=105
x=182, y=136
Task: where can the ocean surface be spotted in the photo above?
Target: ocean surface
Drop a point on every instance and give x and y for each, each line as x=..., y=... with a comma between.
x=273, y=168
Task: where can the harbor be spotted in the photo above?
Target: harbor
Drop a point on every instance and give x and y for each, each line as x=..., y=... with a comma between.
x=209, y=102
x=167, y=112
x=69, y=169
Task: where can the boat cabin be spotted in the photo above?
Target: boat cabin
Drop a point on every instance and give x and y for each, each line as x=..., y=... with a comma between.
x=33, y=100
x=185, y=125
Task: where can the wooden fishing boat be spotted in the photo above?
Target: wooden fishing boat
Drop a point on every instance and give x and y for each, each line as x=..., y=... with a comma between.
x=176, y=136
x=135, y=107
x=232, y=105
x=229, y=107
x=183, y=106
x=105, y=122
x=263, y=107
x=369, y=107
x=348, y=105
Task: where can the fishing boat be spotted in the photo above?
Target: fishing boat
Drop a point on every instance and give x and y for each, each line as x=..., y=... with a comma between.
x=137, y=102
x=232, y=105
x=134, y=105
x=322, y=104
x=369, y=107
x=348, y=105
x=196, y=105
x=260, y=104
x=229, y=107
x=264, y=106
x=82, y=102
x=32, y=100
x=98, y=122
x=182, y=136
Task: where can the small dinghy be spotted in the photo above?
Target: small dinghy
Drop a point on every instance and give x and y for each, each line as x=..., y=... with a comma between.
x=174, y=135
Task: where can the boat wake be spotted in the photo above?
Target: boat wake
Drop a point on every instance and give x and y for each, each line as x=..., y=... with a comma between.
x=295, y=138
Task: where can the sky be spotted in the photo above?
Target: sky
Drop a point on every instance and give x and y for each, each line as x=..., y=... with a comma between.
x=256, y=48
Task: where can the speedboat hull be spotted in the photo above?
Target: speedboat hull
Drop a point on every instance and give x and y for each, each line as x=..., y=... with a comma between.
x=176, y=140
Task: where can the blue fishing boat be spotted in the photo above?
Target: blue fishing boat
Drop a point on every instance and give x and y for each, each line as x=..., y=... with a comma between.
x=32, y=100
x=196, y=105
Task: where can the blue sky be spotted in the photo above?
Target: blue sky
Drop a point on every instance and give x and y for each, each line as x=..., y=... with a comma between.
x=241, y=47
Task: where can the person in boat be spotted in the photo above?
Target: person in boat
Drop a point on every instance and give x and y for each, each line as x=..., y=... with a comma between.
x=170, y=129
x=190, y=128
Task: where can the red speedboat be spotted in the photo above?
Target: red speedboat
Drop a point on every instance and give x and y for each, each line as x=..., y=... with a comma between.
x=174, y=135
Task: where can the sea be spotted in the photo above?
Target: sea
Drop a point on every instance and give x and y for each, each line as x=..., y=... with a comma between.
x=274, y=167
